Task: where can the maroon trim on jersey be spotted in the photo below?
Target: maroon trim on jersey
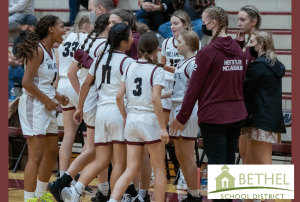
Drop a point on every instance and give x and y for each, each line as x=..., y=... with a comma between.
x=68, y=109
x=151, y=78
x=41, y=135
x=186, y=61
x=185, y=70
x=103, y=144
x=121, y=65
x=98, y=47
x=118, y=142
x=135, y=143
x=153, y=142
x=166, y=110
x=142, y=62
x=166, y=43
x=174, y=42
x=91, y=127
x=47, y=51
x=127, y=70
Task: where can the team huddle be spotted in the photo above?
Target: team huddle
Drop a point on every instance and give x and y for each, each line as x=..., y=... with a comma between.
x=110, y=77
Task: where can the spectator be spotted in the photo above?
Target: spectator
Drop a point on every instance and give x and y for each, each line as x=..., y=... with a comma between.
x=16, y=69
x=194, y=9
x=74, y=9
x=155, y=13
x=97, y=7
x=17, y=11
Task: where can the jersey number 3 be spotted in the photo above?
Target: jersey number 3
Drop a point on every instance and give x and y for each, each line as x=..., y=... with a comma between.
x=138, y=92
x=68, y=50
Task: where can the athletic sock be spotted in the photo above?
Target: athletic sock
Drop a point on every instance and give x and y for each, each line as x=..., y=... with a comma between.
x=79, y=187
x=112, y=200
x=104, y=188
x=61, y=173
x=40, y=188
x=28, y=195
x=65, y=180
x=143, y=193
x=73, y=182
x=195, y=193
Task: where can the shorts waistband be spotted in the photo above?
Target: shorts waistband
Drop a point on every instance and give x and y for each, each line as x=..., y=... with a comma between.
x=138, y=111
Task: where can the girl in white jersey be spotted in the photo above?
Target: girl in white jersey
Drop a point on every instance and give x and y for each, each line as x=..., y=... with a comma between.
x=144, y=123
x=184, y=141
x=90, y=45
x=105, y=73
x=66, y=52
x=180, y=20
x=38, y=103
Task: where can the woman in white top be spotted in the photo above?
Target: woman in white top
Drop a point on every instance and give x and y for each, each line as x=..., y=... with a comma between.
x=170, y=57
x=105, y=73
x=38, y=103
x=184, y=141
x=92, y=44
x=144, y=123
x=66, y=52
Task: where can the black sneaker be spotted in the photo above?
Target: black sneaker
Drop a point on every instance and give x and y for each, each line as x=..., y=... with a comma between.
x=131, y=191
x=190, y=198
x=147, y=198
x=55, y=190
x=99, y=197
x=88, y=189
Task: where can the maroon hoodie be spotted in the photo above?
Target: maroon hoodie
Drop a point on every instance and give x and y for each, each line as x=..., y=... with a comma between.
x=217, y=84
x=133, y=49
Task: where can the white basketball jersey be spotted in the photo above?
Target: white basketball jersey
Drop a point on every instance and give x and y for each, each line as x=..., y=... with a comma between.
x=66, y=52
x=95, y=50
x=140, y=77
x=169, y=50
x=182, y=76
x=47, y=73
x=111, y=76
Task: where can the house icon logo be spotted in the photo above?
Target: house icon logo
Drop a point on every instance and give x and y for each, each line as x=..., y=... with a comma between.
x=225, y=180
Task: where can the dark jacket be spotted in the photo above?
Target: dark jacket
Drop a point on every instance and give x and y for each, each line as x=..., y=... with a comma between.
x=263, y=95
x=217, y=84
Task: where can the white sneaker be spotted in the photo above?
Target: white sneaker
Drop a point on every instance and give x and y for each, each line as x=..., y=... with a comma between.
x=70, y=194
x=181, y=182
x=138, y=198
x=126, y=198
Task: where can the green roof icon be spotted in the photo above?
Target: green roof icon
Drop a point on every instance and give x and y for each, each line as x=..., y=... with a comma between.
x=225, y=180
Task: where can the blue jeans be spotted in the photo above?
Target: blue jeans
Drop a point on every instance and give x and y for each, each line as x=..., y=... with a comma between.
x=166, y=32
x=15, y=76
x=12, y=24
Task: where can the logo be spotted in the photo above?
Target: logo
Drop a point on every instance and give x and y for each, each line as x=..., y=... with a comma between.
x=250, y=182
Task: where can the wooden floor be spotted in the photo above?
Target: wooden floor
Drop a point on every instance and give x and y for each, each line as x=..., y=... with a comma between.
x=16, y=190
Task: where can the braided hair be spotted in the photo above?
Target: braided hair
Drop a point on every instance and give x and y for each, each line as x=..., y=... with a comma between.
x=147, y=44
x=118, y=33
x=100, y=25
x=219, y=14
x=265, y=38
x=253, y=13
x=30, y=44
x=81, y=18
